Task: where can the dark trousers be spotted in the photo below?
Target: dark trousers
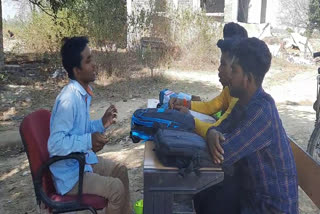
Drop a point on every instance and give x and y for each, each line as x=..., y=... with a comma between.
x=221, y=198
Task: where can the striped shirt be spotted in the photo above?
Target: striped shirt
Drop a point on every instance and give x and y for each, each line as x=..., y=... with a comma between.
x=256, y=141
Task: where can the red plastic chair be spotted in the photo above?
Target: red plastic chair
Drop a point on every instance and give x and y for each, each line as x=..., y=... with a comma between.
x=35, y=131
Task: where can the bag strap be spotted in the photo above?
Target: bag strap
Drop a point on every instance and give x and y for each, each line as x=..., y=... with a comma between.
x=193, y=166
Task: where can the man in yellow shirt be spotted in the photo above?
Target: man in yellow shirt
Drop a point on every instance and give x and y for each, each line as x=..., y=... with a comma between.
x=232, y=33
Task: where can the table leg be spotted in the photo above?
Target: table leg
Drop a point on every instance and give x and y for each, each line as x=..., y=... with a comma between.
x=157, y=202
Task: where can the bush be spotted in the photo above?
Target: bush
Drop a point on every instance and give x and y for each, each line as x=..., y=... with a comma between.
x=192, y=35
x=104, y=22
x=188, y=34
x=43, y=33
x=197, y=34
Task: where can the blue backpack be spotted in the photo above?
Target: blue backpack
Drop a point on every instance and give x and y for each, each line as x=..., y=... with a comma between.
x=146, y=122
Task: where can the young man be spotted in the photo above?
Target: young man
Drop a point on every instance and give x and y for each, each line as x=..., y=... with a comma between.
x=71, y=130
x=252, y=138
x=232, y=32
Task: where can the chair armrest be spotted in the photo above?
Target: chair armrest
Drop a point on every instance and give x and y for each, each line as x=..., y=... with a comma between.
x=80, y=157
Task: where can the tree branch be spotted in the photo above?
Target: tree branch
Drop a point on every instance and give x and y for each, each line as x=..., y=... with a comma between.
x=43, y=8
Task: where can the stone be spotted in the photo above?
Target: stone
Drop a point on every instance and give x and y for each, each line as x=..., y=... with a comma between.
x=10, y=138
x=25, y=173
x=301, y=41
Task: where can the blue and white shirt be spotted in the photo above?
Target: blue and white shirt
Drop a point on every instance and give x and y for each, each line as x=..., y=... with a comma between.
x=70, y=131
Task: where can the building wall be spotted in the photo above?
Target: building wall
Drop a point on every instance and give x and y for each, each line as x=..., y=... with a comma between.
x=273, y=11
x=254, y=11
x=230, y=10
x=134, y=7
x=184, y=4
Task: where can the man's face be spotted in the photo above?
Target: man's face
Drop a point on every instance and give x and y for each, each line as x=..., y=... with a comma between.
x=86, y=72
x=239, y=81
x=224, y=69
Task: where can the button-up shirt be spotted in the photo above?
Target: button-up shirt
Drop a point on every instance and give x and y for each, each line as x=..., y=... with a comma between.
x=70, y=131
x=256, y=140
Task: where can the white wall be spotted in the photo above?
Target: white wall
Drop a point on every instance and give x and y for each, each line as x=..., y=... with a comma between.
x=230, y=10
x=273, y=11
x=254, y=12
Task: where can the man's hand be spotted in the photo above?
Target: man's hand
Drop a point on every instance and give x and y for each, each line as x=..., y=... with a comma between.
x=195, y=98
x=109, y=116
x=182, y=109
x=98, y=141
x=175, y=103
x=213, y=140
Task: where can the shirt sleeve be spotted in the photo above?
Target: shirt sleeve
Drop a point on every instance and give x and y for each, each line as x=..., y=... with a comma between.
x=211, y=107
x=96, y=126
x=61, y=142
x=251, y=134
x=201, y=127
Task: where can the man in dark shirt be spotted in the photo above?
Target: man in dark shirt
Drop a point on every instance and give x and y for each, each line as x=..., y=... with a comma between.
x=252, y=138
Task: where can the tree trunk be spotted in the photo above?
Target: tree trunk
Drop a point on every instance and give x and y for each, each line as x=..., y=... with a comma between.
x=1, y=41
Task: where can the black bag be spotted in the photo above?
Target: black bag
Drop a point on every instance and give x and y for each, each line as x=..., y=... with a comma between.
x=145, y=122
x=185, y=150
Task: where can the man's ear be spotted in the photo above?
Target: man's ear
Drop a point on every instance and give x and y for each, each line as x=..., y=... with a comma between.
x=76, y=72
x=250, y=77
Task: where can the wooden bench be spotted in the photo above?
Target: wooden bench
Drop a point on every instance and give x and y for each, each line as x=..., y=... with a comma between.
x=308, y=173
x=161, y=183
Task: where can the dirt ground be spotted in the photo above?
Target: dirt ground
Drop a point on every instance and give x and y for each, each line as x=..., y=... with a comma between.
x=293, y=88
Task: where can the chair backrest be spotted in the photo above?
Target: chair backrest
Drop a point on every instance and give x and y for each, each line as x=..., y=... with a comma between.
x=34, y=132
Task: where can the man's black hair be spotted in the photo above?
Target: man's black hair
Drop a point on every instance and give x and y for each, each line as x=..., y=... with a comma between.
x=232, y=29
x=71, y=53
x=254, y=57
x=232, y=34
x=227, y=45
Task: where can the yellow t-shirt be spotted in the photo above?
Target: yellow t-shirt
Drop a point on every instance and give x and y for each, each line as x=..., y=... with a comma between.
x=222, y=102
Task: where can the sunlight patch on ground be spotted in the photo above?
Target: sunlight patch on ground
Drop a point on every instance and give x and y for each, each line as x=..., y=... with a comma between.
x=16, y=86
x=210, y=77
x=300, y=88
x=132, y=157
x=14, y=171
x=301, y=108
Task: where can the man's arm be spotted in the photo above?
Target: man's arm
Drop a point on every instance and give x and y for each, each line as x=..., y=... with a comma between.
x=107, y=120
x=203, y=127
x=61, y=142
x=96, y=126
x=252, y=134
x=212, y=106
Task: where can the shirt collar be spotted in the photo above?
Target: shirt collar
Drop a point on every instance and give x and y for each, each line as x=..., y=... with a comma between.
x=256, y=94
x=79, y=87
x=252, y=99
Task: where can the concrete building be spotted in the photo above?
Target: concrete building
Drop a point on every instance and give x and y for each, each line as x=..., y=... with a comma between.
x=243, y=11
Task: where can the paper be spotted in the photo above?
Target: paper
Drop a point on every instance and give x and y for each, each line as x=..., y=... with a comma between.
x=152, y=103
x=202, y=117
